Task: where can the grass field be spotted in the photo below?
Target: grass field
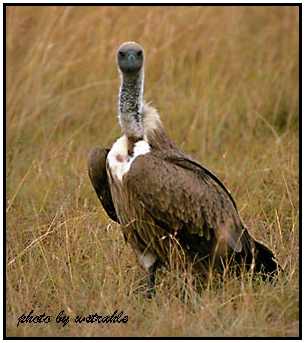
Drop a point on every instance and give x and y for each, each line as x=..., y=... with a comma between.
x=225, y=80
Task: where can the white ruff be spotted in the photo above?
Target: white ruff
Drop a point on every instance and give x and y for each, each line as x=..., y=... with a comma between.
x=118, y=159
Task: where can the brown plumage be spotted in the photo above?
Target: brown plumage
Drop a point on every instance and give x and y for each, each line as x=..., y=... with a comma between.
x=98, y=176
x=163, y=198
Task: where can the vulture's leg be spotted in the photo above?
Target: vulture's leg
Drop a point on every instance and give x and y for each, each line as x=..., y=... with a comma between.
x=98, y=176
x=150, y=263
x=151, y=280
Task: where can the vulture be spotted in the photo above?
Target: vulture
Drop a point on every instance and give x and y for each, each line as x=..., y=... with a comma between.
x=169, y=206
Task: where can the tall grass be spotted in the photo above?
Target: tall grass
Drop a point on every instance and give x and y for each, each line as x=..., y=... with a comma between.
x=225, y=80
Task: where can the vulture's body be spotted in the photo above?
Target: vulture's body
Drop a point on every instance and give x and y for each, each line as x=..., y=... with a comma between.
x=168, y=205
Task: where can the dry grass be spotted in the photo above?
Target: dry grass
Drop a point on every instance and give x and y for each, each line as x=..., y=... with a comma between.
x=225, y=80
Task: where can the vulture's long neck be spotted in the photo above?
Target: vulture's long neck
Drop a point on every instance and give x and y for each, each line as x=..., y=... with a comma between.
x=137, y=119
x=131, y=105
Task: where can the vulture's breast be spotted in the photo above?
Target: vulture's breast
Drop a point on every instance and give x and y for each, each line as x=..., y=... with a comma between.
x=119, y=160
x=128, y=209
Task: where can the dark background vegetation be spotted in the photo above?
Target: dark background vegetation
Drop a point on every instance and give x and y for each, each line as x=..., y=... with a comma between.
x=225, y=80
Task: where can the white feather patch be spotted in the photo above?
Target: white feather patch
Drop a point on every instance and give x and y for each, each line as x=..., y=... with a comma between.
x=118, y=159
x=147, y=259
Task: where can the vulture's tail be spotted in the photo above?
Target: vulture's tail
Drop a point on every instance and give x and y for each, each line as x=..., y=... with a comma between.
x=263, y=258
x=265, y=261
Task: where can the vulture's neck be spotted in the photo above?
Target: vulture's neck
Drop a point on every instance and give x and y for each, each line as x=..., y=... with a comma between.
x=138, y=120
x=131, y=105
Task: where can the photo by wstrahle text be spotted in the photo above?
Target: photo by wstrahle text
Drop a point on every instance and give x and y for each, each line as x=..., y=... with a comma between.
x=117, y=317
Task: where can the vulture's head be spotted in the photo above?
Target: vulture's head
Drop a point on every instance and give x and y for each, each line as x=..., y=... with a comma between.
x=130, y=58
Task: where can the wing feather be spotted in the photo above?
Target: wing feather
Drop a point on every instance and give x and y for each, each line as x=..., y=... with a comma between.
x=176, y=193
x=98, y=176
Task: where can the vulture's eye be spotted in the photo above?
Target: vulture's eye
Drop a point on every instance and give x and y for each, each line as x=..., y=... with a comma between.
x=122, y=54
x=139, y=53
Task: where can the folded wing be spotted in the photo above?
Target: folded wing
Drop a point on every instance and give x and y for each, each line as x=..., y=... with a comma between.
x=184, y=196
x=98, y=176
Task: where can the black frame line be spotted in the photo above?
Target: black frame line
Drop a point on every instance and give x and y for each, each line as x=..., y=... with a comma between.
x=297, y=4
